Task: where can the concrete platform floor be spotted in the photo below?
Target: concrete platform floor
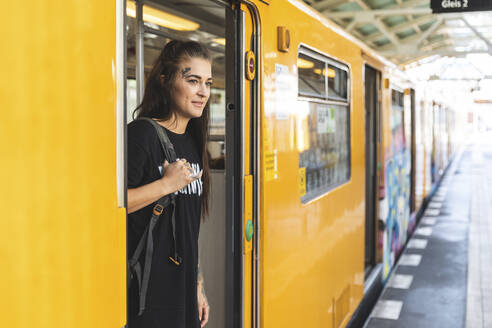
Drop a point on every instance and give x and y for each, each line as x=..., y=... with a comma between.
x=444, y=276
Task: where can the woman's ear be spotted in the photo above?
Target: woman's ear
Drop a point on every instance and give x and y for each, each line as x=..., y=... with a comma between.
x=162, y=77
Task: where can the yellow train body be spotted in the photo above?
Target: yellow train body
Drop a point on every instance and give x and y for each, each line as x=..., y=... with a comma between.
x=63, y=234
x=312, y=254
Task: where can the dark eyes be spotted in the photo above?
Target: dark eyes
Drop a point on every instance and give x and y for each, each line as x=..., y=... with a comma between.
x=195, y=81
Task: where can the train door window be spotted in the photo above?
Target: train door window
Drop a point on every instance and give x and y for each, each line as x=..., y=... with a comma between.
x=325, y=154
x=312, y=76
x=372, y=87
x=337, y=83
x=397, y=122
x=203, y=21
x=409, y=117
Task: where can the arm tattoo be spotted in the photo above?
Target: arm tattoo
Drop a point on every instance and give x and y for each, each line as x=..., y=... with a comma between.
x=184, y=71
x=199, y=278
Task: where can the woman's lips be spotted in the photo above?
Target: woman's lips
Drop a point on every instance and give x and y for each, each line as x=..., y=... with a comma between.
x=197, y=103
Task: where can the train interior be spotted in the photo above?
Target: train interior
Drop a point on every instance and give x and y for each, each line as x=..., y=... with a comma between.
x=205, y=22
x=372, y=78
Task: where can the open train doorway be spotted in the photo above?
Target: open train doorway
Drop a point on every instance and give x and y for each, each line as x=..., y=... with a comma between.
x=372, y=86
x=213, y=23
x=410, y=135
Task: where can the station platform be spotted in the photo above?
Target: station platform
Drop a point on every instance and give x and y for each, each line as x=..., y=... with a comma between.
x=444, y=276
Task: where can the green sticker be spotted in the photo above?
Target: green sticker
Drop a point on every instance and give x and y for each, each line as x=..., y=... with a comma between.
x=249, y=230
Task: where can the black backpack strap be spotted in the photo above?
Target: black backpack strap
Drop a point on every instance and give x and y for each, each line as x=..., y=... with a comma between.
x=170, y=155
x=166, y=144
x=147, y=237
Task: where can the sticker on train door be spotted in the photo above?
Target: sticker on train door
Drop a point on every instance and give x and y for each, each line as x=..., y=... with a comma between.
x=271, y=170
x=302, y=181
x=284, y=91
x=325, y=118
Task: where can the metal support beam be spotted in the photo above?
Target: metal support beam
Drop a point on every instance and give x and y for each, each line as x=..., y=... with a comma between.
x=139, y=48
x=325, y=6
x=370, y=15
x=380, y=25
x=328, y=4
x=478, y=34
x=443, y=52
x=442, y=47
x=350, y=26
x=437, y=43
x=429, y=31
x=401, y=27
x=407, y=42
x=362, y=4
x=404, y=49
x=408, y=4
x=485, y=77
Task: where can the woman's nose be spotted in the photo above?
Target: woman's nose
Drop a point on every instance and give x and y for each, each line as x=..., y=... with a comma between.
x=203, y=90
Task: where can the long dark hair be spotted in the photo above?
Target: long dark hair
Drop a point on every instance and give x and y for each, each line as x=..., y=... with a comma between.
x=157, y=99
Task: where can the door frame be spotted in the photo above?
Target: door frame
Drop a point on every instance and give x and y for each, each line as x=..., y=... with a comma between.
x=234, y=167
x=376, y=170
x=236, y=138
x=233, y=140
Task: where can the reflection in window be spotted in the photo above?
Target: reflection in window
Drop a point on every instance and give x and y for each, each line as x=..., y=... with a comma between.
x=311, y=76
x=216, y=153
x=327, y=160
x=397, y=98
x=324, y=126
x=337, y=83
x=131, y=99
x=217, y=111
x=396, y=122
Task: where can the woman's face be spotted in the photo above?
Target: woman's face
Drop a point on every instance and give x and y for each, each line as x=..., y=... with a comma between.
x=192, y=87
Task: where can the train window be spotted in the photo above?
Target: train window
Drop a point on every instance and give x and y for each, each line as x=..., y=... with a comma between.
x=327, y=160
x=324, y=157
x=312, y=79
x=397, y=98
x=337, y=83
x=397, y=122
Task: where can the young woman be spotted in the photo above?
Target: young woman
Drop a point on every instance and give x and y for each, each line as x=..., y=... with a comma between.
x=176, y=97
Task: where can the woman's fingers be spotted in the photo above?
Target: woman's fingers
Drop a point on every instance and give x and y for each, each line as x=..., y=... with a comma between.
x=180, y=173
x=204, y=316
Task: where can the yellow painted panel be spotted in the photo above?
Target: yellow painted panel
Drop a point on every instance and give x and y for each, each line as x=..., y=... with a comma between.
x=62, y=237
x=312, y=254
x=248, y=101
x=248, y=213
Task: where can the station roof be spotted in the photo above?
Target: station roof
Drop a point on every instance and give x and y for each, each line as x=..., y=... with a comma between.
x=406, y=31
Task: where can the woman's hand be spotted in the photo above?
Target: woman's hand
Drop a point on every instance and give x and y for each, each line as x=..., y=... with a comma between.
x=203, y=308
x=177, y=175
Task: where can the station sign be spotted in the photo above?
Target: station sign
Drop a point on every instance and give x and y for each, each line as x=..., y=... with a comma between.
x=456, y=6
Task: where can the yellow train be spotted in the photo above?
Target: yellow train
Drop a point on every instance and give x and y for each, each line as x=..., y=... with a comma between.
x=323, y=154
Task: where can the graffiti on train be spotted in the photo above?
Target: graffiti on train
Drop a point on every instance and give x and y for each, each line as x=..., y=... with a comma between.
x=395, y=206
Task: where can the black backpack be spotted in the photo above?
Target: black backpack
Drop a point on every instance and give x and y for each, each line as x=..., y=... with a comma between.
x=134, y=266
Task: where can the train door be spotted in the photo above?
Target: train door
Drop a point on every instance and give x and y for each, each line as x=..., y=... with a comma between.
x=248, y=122
x=372, y=109
x=411, y=139
x=225, y=244
x=435, y=140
